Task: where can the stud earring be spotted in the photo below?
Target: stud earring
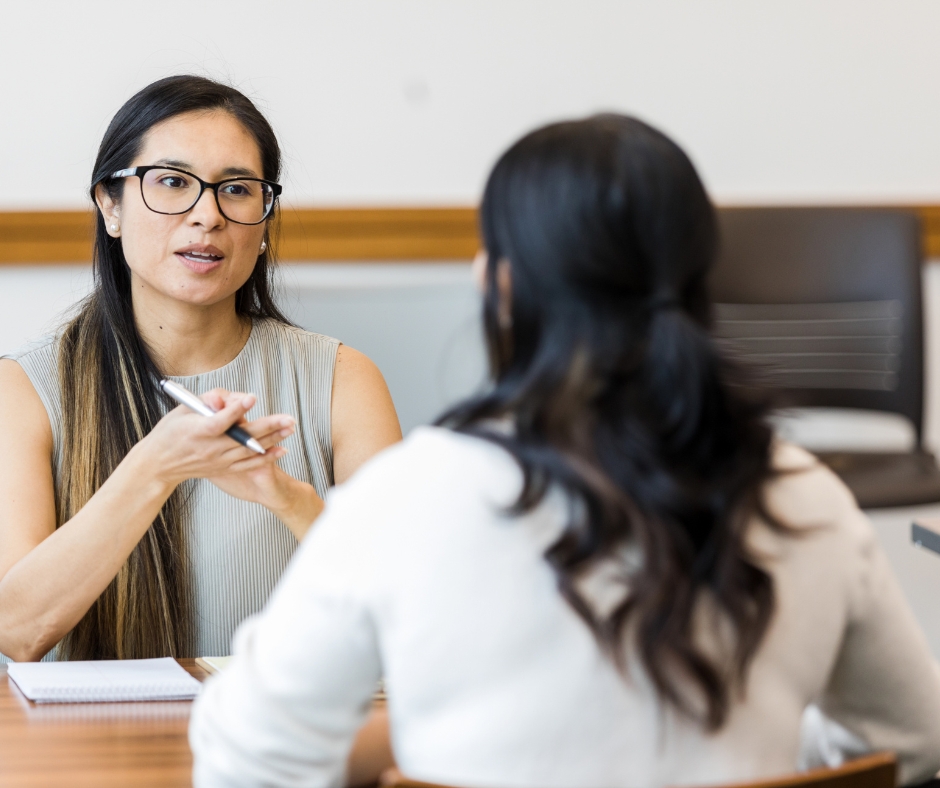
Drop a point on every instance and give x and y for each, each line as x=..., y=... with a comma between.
x=264, y=245
x=113, y=228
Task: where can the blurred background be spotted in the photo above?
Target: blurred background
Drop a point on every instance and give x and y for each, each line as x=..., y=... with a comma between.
x=383, y=104
x=391, y=113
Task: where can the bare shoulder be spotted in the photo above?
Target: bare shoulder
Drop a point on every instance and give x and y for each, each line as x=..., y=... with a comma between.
x=357, y=385
x=21, y=410
x=354, y=368
x=27, y=498
x=804, y=492
x=363, y=415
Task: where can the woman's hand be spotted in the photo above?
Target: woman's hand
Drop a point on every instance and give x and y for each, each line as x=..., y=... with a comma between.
x=186, y=445
x=258, y=478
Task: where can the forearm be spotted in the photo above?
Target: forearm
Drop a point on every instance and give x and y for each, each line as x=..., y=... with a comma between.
x=298, y=507
x=45, y=594
x=885, y=684
x=287, y=709
x=371, y=754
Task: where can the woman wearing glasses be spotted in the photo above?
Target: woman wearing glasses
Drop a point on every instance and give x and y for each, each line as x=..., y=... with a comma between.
x=117, y=536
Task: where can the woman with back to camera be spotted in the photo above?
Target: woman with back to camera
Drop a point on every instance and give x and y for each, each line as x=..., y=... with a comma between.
x=602, y=572
x=113, y=542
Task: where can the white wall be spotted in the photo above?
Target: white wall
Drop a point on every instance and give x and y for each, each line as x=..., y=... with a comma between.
x=409, y=102
x=382, y=102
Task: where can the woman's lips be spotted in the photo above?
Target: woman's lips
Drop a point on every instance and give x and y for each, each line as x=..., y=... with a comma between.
x=199, y=263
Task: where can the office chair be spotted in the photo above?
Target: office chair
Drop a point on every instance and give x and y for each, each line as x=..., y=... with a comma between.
x=872, y=771
x=825, y=303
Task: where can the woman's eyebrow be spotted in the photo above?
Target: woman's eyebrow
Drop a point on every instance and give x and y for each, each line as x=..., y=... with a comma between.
x=182, y=165
x=228, y=172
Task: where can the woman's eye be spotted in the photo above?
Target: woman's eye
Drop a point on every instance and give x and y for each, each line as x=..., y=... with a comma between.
x=174, y=182
x=236, y=190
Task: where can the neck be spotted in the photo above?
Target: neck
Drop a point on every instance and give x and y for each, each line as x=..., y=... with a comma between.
x=187, y=339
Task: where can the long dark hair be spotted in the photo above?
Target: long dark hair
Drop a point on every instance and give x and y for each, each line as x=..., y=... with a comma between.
x=110, y=397
x=618, y=395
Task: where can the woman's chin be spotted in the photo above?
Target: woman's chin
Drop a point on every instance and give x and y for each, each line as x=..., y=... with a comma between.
x=188, y=287
x=196, y=296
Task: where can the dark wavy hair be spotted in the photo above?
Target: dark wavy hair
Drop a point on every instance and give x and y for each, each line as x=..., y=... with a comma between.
x=110, y=397
x=605, y=365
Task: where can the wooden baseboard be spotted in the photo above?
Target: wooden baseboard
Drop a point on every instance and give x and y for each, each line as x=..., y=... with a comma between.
x=311, y=234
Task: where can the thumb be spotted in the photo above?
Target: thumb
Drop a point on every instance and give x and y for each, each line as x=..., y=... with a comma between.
x=233, y=412
x=215, y=399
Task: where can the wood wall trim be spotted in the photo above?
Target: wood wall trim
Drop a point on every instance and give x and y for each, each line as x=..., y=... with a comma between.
x=311, y=234
x=315, y=234
x=45, y=237
x=378, y=234
x=930, y=229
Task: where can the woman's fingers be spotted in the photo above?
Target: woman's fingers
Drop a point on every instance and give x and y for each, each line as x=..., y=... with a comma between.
x=231, y=407
x=272, y=439
x=258, y=427
x=217, y=398
x=256, y=461
x=233, y=412
x=277, y=431
x=266, y=439
x=270, y=430
x=238, y=454
x=266, y=424
x=228, y=396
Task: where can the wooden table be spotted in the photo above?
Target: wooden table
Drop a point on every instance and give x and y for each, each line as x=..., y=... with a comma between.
x=94, y=744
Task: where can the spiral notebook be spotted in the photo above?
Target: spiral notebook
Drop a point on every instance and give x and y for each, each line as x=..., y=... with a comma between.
x=103, y=681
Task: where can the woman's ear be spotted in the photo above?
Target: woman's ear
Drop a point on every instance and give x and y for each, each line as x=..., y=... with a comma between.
x=503, y=284
x=504, y=287
x=479, y=270
x=110, y=211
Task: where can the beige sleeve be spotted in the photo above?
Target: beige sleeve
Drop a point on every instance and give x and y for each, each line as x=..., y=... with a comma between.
x=885, y=685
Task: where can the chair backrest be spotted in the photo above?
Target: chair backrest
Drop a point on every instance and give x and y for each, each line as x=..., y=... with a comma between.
x=872, y=771
x=829, y=301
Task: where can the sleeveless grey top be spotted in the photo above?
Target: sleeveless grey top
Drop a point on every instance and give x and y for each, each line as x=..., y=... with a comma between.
x=237, y=550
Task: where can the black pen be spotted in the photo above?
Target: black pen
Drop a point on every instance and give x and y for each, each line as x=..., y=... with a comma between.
x=185, y=397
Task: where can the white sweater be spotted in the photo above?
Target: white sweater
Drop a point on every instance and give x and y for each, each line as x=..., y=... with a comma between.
x=413, y=573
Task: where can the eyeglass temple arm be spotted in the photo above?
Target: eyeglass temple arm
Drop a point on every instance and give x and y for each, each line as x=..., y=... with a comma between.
x=124, y=173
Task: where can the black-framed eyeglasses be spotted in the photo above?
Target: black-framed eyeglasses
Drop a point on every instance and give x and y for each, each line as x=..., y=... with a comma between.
x=172, y=191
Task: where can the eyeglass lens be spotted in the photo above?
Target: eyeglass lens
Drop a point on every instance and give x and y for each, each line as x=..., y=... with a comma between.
x=168, y=191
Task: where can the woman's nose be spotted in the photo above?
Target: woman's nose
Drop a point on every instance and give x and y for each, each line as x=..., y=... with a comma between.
x=205, y=212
